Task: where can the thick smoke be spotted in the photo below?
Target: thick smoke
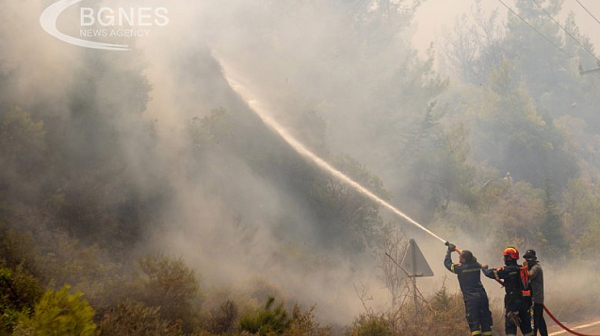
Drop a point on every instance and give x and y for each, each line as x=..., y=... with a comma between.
x=340, y=74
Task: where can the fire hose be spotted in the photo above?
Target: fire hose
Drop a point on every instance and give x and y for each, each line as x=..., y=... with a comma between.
x=564, y=327
x=304, y=151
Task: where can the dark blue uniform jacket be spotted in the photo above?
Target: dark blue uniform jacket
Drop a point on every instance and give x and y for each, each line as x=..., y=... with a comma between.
x=469, y=277
x=512, y=280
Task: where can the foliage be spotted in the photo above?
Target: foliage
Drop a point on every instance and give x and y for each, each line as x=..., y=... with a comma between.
x=349, y=219
x=19, y=292
x=551, y=227
x=371, y=325
x=223, y=319
x=59, y=313
x=170, y=284
x=85, y=177
x=443, y=313
x=130, y=318
x=305, y=324
x=267, y=321
x=516, y=137
x=17, y=250
x=441, y=169
x=581, y=218
x=394, y=278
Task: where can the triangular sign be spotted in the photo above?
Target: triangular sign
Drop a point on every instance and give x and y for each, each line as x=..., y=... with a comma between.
x=414, y=262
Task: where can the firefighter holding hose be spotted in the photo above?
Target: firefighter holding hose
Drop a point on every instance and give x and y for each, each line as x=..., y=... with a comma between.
x=516, y=310
x=468, y=270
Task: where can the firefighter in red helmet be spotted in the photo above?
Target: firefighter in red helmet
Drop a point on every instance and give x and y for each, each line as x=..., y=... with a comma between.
x=516, y=310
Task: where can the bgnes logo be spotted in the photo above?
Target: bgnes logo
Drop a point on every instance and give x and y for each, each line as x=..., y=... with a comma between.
x=106, y=22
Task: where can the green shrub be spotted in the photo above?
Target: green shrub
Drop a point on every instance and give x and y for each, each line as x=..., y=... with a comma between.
x=58, y=314
x=17, y=249
x=19, y=292
x=371, y=325
x=267, y=321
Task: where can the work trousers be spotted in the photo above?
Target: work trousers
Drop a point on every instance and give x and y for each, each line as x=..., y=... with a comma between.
x=538, y=320
x=479, y=316
x=517, y=312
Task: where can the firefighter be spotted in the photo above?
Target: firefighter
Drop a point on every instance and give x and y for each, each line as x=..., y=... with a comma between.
x=468, y=270
x=516, y=309
x=536, y=281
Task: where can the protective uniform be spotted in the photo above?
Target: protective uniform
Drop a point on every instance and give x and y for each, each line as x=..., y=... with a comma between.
x=516, y=309
x=479, y=316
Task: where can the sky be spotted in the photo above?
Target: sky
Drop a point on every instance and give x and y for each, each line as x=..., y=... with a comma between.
x=435, y=16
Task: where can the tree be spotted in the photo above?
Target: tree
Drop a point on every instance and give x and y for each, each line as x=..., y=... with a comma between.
x=442, y=173
x=551, y=227
x=546, y=67
x=512, y=135
x=19, y=292
x=394, y=278
x=516, y=217
x=170, y=284
x=58, y=314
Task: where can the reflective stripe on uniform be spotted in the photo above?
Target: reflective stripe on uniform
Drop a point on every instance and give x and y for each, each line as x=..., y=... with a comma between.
x=487, y=333
x=476, y=332
x=452, y=268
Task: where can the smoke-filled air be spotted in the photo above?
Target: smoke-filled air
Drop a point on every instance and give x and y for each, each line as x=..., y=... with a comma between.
x=299, y=168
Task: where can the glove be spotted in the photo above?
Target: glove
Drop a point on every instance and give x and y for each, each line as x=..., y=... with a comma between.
x=451, y=247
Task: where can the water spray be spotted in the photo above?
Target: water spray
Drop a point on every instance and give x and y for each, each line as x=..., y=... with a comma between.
x=302, y=150
x=233, y=81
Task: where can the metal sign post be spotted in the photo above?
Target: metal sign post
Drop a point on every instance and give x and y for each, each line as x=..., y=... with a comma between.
x=415, y=263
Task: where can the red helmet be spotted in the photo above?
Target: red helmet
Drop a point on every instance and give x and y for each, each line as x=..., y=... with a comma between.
x=512, y=252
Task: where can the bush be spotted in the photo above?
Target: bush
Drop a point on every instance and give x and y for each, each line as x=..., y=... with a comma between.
x=17, y=249
x=442, y=314
x=267, y=321
x=304, y=324
x=134, y=318
x=58, y=314
x=19, y=292
x=171, y=285
x=371, y=325
x=223, y=319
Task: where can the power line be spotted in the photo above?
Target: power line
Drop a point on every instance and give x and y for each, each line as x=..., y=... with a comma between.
x=532, y=27
x=592, y=15
x=565, y=30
